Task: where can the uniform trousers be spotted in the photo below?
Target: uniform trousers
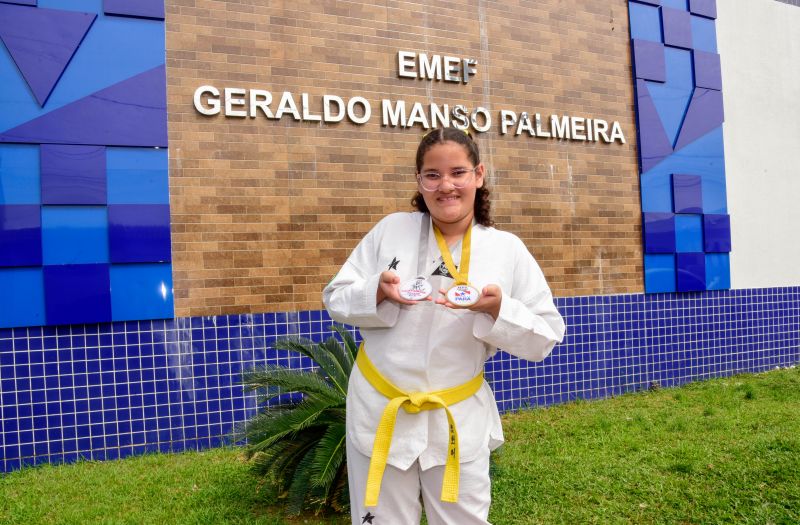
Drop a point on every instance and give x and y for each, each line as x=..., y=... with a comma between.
x=399, y=501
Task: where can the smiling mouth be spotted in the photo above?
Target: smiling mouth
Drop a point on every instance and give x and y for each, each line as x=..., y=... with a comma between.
x=448, y=198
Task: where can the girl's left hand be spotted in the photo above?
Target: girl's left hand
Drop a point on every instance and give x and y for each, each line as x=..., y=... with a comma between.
x=489, y=302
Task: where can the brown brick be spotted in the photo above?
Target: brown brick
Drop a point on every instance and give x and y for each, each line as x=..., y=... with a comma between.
x=264, y=212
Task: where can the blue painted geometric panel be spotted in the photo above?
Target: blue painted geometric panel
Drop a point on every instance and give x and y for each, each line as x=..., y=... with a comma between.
x=659, y=273
x=139, y=233
x=137, y=176
x=136, y=8
x=659, y=232
x=705, y=114
x=42, y=42
x=687, y=193
x=76, y=81
x=704, y=34
x=20, y=235
x=718, y=271
x=706, y=8
x=648, y=60
x=73, y=174
x=19, y=174
x=681, y=151
x=672, y=97
x=717, y=233
x=78, y=293
x=654, y=145
x=141, y=291
x=645, y=22
x=677, y=27
x=688, y=233
x=691, y=272
x=707, y=70
x=74, y=234
x=16, y=283
x=138, y=106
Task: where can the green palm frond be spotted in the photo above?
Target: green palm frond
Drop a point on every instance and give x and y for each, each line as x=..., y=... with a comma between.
x=349, y=345
x=300, y=487
x=273, y=381
x=321, y=356
x=267, y=428
x=328, y=456
x=300, y=447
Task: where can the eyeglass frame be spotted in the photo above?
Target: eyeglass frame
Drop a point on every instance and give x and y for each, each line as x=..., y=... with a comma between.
x=464, y=185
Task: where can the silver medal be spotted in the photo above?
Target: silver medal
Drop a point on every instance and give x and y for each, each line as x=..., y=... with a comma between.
x=463, y=295
x=415, y=289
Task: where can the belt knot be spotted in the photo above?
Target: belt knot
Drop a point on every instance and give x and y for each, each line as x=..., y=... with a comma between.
x=417, y=399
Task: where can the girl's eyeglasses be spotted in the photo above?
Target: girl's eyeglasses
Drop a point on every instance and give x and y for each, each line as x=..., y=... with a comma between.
x=432, y=180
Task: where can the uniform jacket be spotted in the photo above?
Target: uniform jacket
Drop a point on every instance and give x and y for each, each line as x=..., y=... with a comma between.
x=427, y=347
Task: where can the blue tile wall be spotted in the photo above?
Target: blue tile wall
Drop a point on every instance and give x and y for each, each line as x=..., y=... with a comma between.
x=104, y=391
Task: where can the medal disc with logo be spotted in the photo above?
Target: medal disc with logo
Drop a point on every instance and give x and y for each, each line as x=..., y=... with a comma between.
x=463, y=295
x=415, y=289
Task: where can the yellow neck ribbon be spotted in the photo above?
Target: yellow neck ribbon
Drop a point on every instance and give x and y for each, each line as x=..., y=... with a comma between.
x=412, y=403
x=461, y=275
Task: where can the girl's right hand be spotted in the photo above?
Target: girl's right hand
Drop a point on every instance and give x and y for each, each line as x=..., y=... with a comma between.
x=389, y=288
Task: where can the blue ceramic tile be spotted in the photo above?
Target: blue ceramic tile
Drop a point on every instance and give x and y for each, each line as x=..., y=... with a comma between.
x=139, y=233
x=73, y=174
x=20, y=235
x=19, y=174
x=77, y=294
x=138, y=176
x=74, y=234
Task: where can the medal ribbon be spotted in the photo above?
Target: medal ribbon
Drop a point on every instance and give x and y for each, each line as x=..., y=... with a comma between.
x=413, y=403
x=461, y=277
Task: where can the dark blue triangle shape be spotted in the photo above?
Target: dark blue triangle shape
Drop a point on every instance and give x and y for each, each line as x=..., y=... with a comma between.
x=42, y=42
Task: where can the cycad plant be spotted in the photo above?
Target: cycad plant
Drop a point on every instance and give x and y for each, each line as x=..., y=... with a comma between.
x=299, y=447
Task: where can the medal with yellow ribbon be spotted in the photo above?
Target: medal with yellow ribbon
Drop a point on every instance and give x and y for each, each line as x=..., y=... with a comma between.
x=462, y=293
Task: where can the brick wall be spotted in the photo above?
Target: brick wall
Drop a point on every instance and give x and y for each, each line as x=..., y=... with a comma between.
x=264, y=212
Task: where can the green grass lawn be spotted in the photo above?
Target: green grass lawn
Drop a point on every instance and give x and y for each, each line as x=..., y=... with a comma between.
x=721, y=451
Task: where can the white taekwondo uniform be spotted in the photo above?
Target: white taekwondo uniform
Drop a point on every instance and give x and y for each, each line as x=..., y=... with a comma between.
x=428, y=347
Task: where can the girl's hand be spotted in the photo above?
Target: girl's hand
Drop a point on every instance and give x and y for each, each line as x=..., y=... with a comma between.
x=489, y=302
x=388, y=288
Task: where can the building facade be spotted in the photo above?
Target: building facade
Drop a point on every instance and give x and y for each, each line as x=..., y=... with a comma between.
x=180, y=179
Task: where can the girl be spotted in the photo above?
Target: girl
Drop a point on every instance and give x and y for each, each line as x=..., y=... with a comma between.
x=420, y=417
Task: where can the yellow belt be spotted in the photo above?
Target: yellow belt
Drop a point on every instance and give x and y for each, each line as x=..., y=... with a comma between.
x=412, y=403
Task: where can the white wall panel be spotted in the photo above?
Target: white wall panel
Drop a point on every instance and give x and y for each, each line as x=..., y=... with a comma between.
x=759, y=44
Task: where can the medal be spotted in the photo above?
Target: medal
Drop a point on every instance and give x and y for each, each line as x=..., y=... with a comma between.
x=415, y=289
x=462, y=293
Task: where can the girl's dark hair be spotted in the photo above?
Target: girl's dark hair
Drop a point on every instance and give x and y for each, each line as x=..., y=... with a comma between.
x=483, y=203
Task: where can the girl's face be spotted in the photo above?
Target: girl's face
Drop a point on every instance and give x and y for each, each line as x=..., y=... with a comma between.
x=449, y=204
